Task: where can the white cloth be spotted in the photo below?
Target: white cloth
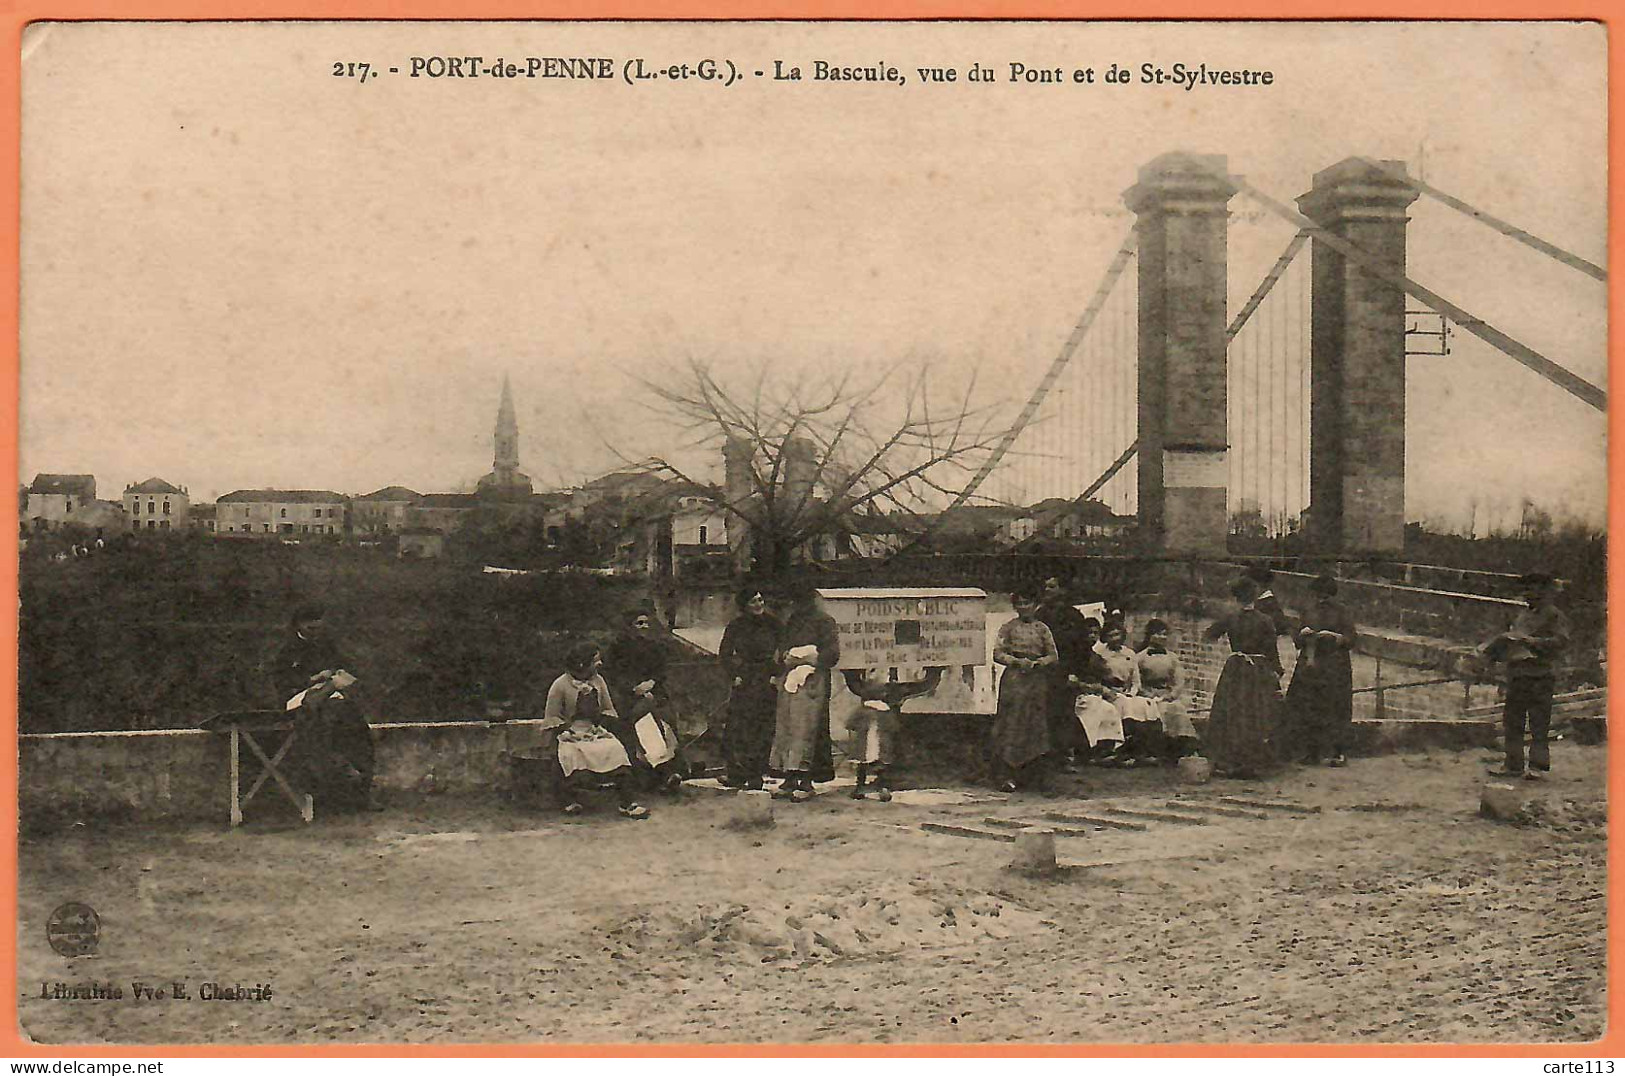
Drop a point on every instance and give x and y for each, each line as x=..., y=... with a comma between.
x=799, y=675
x=600, y=756
x=1136, y=708
x=806, y=652
x=657, y=746
x=1099, y=718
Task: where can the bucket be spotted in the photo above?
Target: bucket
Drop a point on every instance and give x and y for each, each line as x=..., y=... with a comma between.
x=1195, y=770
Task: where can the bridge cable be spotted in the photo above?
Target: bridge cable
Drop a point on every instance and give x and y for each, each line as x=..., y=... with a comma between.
x=1113, y=272
x=1511, y=231
x=1558, y=375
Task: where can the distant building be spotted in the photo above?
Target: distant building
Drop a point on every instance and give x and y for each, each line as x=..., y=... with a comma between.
x=617, y=490
x=56, y=499
x=422, y=543
x=284, y=513
x=383, y=511
x=1059, y=519
x=505, y=482
x=675, y=532
x=442, y=512
x=201, y=517
x=156, y=505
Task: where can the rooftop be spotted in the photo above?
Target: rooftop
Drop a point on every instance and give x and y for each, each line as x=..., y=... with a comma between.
x=79, y=485
x=282, y=496
x=153, y=485
x=391, y=493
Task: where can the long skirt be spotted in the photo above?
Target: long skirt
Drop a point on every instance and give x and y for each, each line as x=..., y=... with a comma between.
x=1241, y=724
x=801, y=731
x=1020, y=730
x=1100, y=720
x=328, y=735
x=1065, y=734
x=748, y=737
x=1176, y=719
x=1320, y=706
x=1142, y=724
x=596, y=756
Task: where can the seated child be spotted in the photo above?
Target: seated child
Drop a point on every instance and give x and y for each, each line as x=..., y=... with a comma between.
x=875, y=729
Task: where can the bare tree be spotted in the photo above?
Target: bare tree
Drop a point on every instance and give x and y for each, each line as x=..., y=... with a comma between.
x=810, y=455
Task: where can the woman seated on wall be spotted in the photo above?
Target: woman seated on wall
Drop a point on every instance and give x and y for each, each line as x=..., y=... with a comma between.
x=1162, y=681
x=636, y=671
x=1142, y=725
x=578, y=705
x=1095, y=705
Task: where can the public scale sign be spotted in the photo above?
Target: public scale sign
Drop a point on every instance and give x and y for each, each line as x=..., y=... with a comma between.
x=899, y=627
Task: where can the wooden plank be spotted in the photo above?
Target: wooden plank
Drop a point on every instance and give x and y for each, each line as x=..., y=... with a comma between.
x=1092, y=820
x=1006, y=823
x=1158, y=816
x=967, y=831
x=1213, y=808
x=1268, y=805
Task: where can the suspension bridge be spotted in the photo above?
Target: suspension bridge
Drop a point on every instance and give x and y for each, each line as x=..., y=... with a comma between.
x=1287, y=416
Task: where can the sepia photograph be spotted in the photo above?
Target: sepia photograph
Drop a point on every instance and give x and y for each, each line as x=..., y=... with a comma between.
x=851, y=533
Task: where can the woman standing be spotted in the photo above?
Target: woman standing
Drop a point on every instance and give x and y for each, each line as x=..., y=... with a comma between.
x=1162, y=680
x=1020, y=734
x=1321, y=698
x=747, y=653
x=809, y=648
x=1245, y=701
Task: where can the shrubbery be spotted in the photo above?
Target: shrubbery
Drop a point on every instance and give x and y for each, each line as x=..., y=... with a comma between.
x=160, y=634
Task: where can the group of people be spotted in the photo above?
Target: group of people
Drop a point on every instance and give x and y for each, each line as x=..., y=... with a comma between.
x=1070, y=691
x=1252, y=724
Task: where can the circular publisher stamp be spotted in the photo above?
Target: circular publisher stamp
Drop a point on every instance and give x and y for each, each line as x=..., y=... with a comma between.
x=73, y=929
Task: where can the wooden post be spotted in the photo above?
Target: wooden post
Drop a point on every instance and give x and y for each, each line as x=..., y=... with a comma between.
x=1035, y=851
x=236, y=803
x=1382, y=710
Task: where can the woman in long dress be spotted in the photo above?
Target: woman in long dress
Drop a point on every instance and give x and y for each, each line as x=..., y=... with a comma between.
x=1095, y=707
x=1162, y=680
x=1142, y=730
x=808, y=649
x=635, y=669
x=578, y=706
x=1321, y=698
x=1246, y=701
x=1020, y=734
x=748, y=654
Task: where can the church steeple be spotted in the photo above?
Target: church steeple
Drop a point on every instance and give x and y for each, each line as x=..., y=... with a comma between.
x=505, y=482
x=507, y=433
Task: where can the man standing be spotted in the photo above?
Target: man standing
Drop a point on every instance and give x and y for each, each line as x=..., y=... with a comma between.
x=1530, y=649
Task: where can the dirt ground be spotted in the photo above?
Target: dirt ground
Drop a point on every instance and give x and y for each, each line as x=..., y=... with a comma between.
x=1391, y=914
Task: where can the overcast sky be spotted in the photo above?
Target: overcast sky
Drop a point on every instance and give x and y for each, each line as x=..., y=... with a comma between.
x=241, y=271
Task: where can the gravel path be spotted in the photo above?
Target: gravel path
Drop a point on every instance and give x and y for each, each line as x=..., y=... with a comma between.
x=1393, y=914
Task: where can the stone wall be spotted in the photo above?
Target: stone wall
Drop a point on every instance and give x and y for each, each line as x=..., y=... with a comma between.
x=184, y=773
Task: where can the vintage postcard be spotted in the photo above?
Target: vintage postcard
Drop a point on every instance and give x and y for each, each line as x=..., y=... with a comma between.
x=784, y=533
